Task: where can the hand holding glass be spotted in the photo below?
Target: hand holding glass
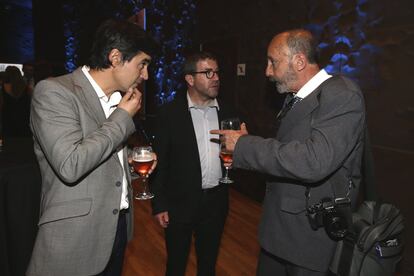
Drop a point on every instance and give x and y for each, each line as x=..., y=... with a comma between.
x=227, y=157
x=142, y=160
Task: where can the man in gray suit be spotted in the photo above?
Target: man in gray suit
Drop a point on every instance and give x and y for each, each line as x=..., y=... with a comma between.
x=315, y=154
x=80, y=123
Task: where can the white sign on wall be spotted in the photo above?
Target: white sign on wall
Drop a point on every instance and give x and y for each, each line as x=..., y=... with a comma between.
x=241, y=69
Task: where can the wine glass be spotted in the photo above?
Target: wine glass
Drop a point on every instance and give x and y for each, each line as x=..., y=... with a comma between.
x=142, y=160
x=227, y=157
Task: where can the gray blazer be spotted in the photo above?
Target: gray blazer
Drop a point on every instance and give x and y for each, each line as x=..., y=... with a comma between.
x=319, y=143
x=81, y=177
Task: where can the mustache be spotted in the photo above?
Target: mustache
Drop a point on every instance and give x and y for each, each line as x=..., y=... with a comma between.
x=272, y=79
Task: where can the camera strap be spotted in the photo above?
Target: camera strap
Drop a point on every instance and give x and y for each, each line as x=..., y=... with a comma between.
x=337, y=185
x=336, y=199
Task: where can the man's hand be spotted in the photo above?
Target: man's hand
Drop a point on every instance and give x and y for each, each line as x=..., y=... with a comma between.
x=230, y=137
x=154, y=155
x=162, y=219
x=131, y=101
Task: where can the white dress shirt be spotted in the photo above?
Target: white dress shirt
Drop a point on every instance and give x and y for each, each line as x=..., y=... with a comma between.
x=313, y=83
x=108, y=106
x=205, y=118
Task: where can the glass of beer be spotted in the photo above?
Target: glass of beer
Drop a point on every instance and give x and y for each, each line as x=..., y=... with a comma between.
x=142, y=160
x=227, y=157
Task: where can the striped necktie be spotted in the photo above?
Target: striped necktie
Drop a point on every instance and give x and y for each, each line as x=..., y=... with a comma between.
x=289, y=104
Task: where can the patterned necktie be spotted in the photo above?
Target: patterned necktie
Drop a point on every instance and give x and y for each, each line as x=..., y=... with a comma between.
x=290, y=102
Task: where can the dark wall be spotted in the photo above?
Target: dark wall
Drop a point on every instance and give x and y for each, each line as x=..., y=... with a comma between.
x=32, y=31
x=48, y=31
x=378, y=56
x=16, y=31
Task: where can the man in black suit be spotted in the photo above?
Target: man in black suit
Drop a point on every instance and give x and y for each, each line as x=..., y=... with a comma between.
x=315, y=154
x=188, y=196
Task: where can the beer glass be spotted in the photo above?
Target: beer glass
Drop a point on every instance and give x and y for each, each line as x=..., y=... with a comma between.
x=227, y=157
x=142, y=160
x=134, y=175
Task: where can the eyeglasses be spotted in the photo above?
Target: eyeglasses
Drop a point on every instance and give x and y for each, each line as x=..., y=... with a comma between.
x=209, y=73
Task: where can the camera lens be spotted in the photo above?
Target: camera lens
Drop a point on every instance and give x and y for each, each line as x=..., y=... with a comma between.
x=336, y=226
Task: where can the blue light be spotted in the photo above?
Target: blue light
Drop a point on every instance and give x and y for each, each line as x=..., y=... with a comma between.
x=17, y=44
x=339, y=58
x=170, y=23
x=330, y=69
x=352, y=56
x=360, y=12
x=72, y=44
x=343, y=39
x=348, y=69
x=323, y=45
x=173, y=29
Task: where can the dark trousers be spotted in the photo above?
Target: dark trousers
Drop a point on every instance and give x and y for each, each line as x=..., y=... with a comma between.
x=207, y=227
x=269, y=265
x=114, y=266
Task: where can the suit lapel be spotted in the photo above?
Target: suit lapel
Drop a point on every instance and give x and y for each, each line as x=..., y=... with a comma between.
x=303, y=108
x=91, y=100
x=126, y=166
x=93, y=106
x=184, y=116
x=300, y=111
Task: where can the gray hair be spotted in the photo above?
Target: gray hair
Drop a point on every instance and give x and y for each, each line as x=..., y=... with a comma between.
x=302, y=41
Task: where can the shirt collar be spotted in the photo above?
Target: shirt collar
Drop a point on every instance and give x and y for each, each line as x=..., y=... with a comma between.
x=213, y=103
x=313, y=83
x=114, y=99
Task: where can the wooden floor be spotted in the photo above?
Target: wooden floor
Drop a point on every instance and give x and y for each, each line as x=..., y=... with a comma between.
x=146, y=256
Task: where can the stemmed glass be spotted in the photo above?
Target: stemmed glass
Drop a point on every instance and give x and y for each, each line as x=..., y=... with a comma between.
x=227, y=157
x=142, y=160
x=134, y=175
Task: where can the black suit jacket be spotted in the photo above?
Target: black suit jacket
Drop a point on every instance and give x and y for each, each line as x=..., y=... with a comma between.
x=176, y=182
x=319, y=144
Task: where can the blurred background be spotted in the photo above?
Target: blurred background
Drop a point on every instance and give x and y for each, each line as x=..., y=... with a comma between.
x=371, y=41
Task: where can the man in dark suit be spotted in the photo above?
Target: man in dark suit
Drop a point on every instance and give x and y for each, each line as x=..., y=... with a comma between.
x=80, y=123
x=188, y=196
x=316, y=151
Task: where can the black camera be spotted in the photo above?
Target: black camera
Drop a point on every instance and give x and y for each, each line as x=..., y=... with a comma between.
x=332, y=214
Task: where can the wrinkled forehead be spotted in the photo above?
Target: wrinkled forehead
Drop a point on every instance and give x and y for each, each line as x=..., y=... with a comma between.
x=278, y=46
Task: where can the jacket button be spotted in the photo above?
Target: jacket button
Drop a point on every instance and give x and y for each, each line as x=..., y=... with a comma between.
x=118, y=183
x=115, y=211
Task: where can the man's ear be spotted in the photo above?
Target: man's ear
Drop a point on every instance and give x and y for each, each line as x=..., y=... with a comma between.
x=189, y=79
x=115, y=57
x=299, y=61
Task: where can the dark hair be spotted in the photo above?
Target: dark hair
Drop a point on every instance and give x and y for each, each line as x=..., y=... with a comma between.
x=127, y=37
x=302, y=41
x=2, y=76
x=190, y=64
x=15, y=78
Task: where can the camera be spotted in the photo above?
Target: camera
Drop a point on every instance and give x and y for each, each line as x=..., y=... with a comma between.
x=332, y=214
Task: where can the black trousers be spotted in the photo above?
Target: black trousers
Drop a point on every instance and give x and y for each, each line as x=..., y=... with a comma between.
x=207, y=227
x=114, y=266
x=269, y=264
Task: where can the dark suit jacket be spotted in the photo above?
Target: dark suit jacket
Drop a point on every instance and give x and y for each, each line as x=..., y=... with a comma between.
x=319, y=143
x=176, y=182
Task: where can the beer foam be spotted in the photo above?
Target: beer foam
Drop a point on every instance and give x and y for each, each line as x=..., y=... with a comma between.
x=143, y=158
